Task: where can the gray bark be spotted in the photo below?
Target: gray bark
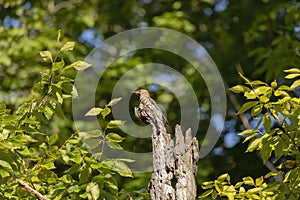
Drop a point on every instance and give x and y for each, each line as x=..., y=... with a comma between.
x=172, y=163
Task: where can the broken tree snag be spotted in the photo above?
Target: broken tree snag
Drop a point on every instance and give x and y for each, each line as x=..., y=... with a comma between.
x=172, y=163
x=160, y=186
x=187, y=156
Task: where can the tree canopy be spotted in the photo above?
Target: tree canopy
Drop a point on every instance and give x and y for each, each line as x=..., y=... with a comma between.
x=44, y=45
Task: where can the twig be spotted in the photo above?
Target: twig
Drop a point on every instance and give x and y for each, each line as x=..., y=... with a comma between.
x=32, y=191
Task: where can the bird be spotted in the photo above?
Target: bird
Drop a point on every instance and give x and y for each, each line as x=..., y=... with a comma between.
x=148, y=108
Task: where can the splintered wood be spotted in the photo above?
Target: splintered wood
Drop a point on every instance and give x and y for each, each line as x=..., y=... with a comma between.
x=174, y=165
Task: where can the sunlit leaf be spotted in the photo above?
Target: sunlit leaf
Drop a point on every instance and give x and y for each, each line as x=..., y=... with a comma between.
x=114, y=101
x=267, y=122
x=93, y=191
x=254, y=145
x=239, y=89
x=291, y=76
x=256, y=110
x=115, y=123
x=68, y=46
x=4, y=164
x=105, y=112
x=94, y=111
x=58, y=36
x=243, y=77
x=295, y=84
x=114, y=137
x=247, y=106
x=53, y=138
x=206, y=193
x=118, y=166
x=46, y=55
x=292, y=70
x=259, y=181
x=248, y=180
x=79, y=65
x=58, y=65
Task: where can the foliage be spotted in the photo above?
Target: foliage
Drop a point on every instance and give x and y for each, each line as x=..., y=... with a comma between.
x=30, y=151
x=276, y=137
x=259, y=38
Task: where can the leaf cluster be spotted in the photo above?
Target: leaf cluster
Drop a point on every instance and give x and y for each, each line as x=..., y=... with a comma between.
x=277, y=110
x=32, y=152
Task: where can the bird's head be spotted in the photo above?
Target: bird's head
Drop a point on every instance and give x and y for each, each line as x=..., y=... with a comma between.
x=143, y=92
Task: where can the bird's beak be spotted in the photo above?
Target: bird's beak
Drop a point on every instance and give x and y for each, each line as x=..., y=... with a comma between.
x=134, y=92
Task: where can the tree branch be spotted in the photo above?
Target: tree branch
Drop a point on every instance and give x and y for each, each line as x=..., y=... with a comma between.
x=32, y=191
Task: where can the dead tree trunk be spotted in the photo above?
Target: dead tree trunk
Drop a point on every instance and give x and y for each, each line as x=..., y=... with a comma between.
x=172, y=163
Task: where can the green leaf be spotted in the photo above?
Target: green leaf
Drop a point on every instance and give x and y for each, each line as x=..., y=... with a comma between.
x=238, y=184
x=218, y=187
x=256, y=110
x=280, y=148
x=207, y=185
x=59, y=97
x=281, y=93
x=58, y=36
x=4, y=164
x=58, y=65
x=53, y=138
x=243, y=77
x=239, y=89
x=114, y=101
x=247, y=106
x=267, y=122
x=49, y=165
x=94, y=112
x=118, y=166
x=248, y=181
x=266, y=149
x=214, y=194
x=223, y=177
x=273, y=174
x=250, y=95
x=115, y=123
x=292, y=70
x=259, y=181
x=88, y=134
x=113, y=145
x=48, y=112
x=68, y=46
x=247, y=132
x=254, y=145
x=295, y=84
x=4, y=173
x=79, y=65
x=93, y=191
x=105, y=112
x=262, y=90
x=206, y=193
x=114, y=137
x=291, y=76
x=254, y=190
x=74, y=92
x=257, y=82
x=46, y=55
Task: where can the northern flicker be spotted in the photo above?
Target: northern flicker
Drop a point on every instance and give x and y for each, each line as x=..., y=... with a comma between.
x=148, y=108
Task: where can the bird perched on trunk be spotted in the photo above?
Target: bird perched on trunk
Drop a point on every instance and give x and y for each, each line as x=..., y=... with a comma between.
x=148, y=108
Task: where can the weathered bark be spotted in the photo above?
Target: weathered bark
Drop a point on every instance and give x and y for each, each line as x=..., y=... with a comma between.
x=187, y=156
x=172, y=163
